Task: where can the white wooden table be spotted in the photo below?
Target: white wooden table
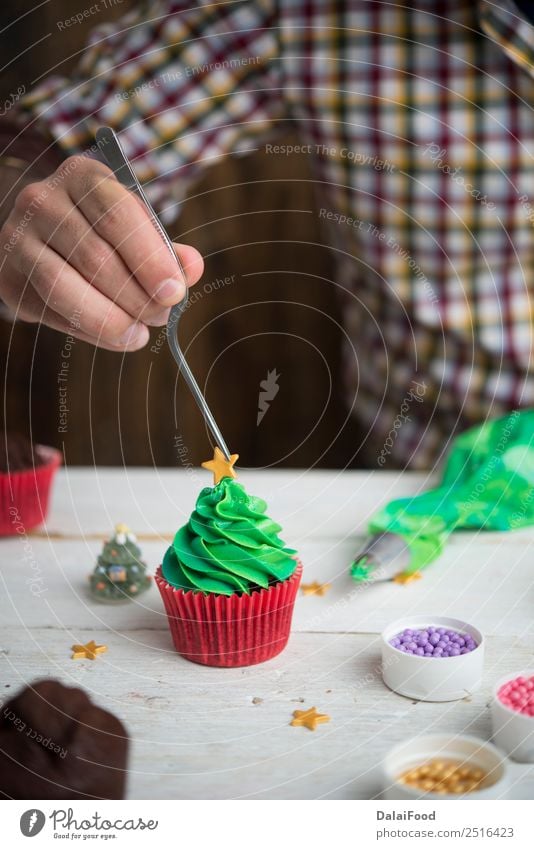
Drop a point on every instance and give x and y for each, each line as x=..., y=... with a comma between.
x=216, y=734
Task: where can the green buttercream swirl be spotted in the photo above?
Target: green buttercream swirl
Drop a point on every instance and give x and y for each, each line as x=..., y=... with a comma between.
x=228, y=546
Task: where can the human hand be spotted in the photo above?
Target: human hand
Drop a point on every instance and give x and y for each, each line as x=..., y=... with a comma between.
x=79, y=253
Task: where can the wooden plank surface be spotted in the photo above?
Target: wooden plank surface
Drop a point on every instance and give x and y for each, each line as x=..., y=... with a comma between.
x=487, y=584
x=209, y=733
x=153, y=501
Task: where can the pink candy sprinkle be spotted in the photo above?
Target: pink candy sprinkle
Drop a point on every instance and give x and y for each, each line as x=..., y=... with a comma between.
x=518, y=695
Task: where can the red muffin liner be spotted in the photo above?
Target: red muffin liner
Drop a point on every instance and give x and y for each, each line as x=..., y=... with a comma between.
x=24, y=494
x=236, y=630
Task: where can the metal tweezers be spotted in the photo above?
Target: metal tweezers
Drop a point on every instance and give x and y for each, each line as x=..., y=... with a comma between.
x=111, y=150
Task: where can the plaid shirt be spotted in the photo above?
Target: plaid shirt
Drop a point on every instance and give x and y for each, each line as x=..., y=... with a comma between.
x=419, y=125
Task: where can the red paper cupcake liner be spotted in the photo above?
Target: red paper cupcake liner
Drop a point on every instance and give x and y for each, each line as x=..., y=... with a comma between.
x=236, y=630
x=24, y=495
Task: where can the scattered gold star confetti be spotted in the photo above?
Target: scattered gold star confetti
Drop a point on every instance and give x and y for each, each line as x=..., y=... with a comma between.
x=88, y=651
x=315, y=588
x=220, y=466
x=406, y=578
x=309, y=718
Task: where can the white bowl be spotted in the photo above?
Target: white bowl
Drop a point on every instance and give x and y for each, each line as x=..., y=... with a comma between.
x=432, y=679
x=513, y=732
x=469, y=750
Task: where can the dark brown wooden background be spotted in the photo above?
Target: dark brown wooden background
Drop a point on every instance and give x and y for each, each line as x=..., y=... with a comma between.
x=279, y=313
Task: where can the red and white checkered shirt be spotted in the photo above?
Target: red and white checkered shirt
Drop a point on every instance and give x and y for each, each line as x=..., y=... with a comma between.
x=418, y=119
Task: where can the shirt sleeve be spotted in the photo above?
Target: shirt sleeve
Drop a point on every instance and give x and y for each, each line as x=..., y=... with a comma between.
x=183, y=83
x=510, y=26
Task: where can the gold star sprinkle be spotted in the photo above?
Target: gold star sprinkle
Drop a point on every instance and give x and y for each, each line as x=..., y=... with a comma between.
x=406, y=577
x=309, y=718
x=220, y=466
x=315, y=588
x=89, y=651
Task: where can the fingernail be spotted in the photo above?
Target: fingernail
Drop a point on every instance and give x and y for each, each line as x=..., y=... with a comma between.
x=170, y=291
x=136, y=333
x=159, y=319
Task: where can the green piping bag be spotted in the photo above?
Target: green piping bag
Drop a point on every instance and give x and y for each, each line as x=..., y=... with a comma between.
x=487, y=484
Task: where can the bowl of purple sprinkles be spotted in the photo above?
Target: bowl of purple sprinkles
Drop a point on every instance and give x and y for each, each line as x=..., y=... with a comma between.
x=411, y=649
x=433, y=641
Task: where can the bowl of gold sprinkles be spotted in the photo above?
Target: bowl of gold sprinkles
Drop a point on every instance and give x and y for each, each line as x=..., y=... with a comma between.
x=441, y=766
x=444, y=776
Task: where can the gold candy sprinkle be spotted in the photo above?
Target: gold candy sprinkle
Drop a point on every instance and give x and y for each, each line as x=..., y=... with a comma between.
x=444, y=777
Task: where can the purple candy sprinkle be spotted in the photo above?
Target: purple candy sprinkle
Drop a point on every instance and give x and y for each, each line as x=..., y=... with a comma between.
x=433, y=642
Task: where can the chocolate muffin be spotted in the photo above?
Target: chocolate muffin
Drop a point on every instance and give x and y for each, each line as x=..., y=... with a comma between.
x=26, y=475
x=17, y=453
x=56, y=744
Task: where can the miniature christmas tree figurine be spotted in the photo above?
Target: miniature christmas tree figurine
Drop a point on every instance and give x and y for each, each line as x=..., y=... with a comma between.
x=119, y=574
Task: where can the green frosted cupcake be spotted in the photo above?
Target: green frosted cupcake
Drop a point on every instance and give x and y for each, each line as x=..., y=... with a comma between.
x=228, y=581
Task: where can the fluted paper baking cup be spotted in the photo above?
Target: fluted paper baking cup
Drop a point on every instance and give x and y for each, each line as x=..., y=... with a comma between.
x=236, y=630
x=25, y=494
